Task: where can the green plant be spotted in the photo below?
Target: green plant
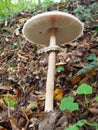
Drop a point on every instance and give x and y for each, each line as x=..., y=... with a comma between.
x=10, y=100
x=68, y=104
x=95, y=26
x=86, y=12
x=60, y=69
x=92, y=57
x=87, y=68
x=91, y=65
x=96, y=98
x=85, y=89
x=8, y=7
x=82, y=123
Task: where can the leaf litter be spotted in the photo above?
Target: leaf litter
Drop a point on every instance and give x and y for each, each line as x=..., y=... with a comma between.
x=23, y=72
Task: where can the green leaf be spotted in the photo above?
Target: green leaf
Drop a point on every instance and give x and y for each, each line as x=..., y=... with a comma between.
x=60, y=68
x=77, y=10
x=9, y=101
x=90, y=66
x=73, y=127
x=88, y=15
x=84, y=89
x=68, y=104
x=32, y=107
x=96, y=98
x=80, y=123
x=87, y=10
x=91, y=57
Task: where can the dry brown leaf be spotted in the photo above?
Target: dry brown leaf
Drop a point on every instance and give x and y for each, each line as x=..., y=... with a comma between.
x=22, y=20
x=77, y=53
x=2, y=128
x=23, y=55
x=35, y=104
x=2, y=87
x=93, y=110
x=73, y=44
x=84, y=45
x=94, y=51
x=77, y=79
x=13, y=124
x=3, y=71
x=8, y=29
x=2, y=104
x=63, y=55
x=83, y=77
x=58, y=94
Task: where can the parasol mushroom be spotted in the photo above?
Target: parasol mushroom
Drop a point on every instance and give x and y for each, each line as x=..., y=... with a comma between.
x=53, y=27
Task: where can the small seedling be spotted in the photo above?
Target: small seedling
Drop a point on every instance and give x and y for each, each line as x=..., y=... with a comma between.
x=85, y=89
x=68, y=104
x=10, y=100
x=82, y=123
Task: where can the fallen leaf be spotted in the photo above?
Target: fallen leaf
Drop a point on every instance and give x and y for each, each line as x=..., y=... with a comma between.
x=58, y=94
x=63, y=55
x=22, y=20
x=84, y=46
x=7, y=29
x=13, y=124
x=2, y=128
x=2, y=87
x=93, y=110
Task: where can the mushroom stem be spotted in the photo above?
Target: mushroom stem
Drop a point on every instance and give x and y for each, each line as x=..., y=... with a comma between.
x=49, y=101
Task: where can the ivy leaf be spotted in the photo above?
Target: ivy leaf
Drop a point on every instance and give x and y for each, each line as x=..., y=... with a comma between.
x=84, y=89
x=77, y=10
x=68, y=104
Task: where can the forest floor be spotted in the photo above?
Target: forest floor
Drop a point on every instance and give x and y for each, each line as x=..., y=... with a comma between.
x=23, y=71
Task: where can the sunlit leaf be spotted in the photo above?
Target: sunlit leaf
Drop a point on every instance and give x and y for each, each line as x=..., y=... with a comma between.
x=68, y=104
x=80, y=123
x=22, y=20
x=84, y=89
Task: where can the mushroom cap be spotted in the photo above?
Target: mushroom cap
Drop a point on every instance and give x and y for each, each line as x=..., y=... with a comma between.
x=36, y=29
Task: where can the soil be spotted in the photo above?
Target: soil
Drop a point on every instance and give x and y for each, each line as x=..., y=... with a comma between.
x=23, y=71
